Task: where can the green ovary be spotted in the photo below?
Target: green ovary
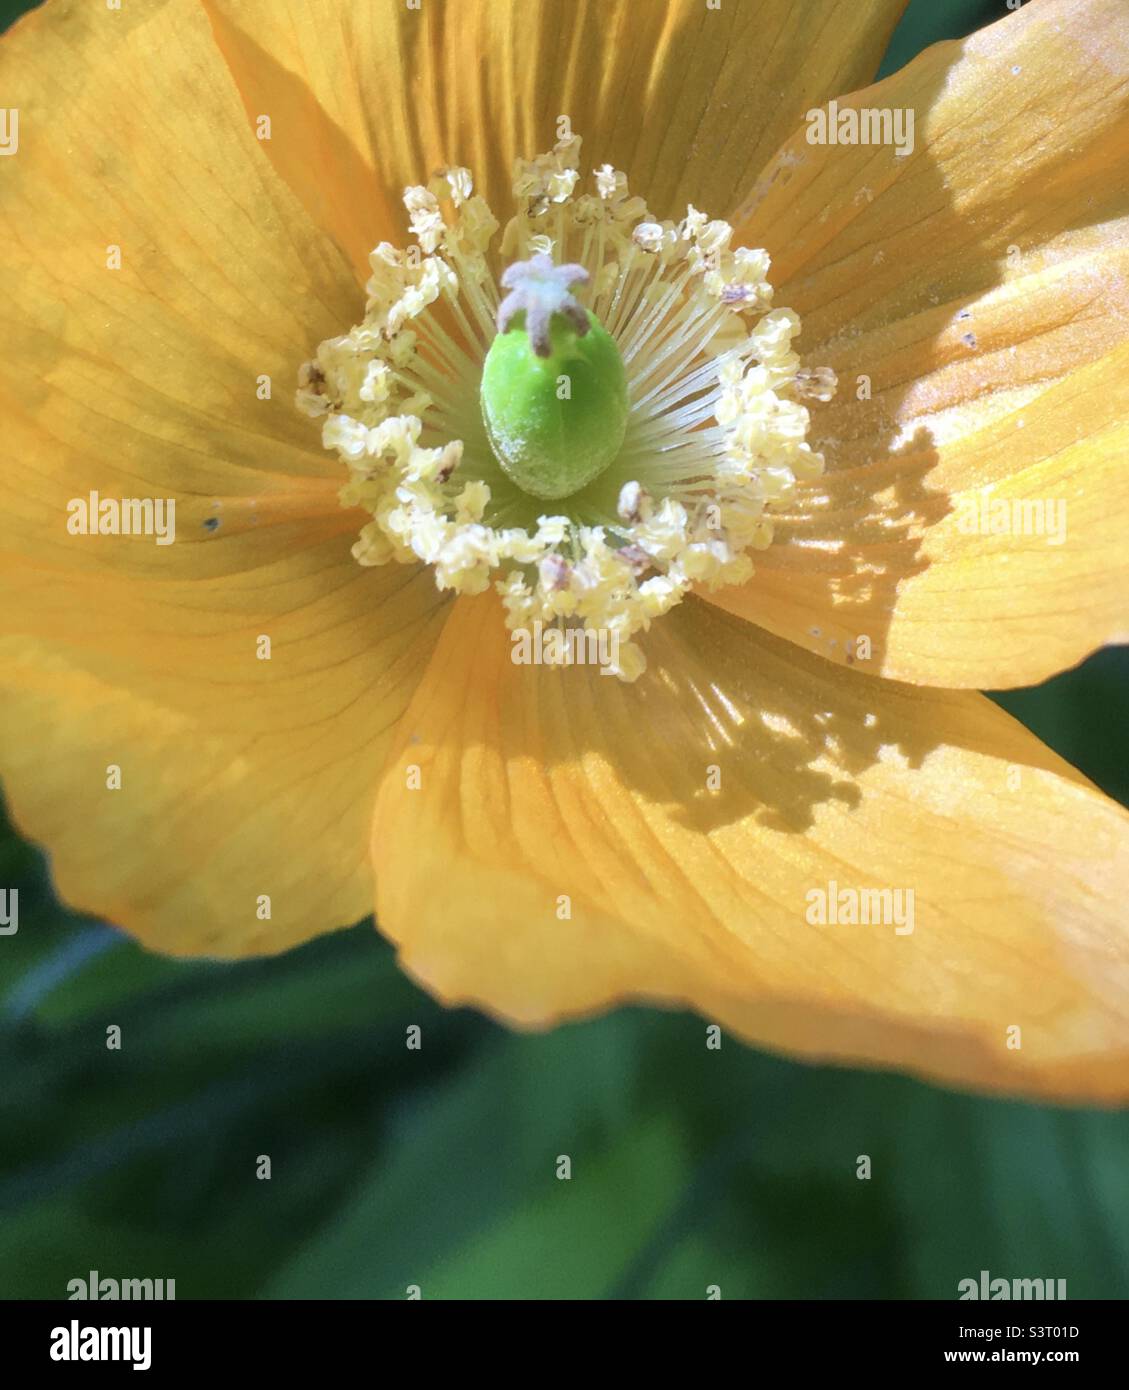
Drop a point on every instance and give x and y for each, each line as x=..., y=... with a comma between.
x=554, y=422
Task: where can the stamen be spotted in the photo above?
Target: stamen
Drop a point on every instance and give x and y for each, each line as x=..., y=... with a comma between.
x=663, y=420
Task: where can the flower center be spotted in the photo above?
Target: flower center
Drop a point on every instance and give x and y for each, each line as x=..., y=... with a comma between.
x=613, y=432
x=554, y=392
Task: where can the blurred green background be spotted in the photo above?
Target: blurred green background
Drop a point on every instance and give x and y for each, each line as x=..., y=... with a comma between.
x=436, y=1167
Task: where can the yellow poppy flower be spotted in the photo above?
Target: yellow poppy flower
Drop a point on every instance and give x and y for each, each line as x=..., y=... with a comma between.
x=238, y=740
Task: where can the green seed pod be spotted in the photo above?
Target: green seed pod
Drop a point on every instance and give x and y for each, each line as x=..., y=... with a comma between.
x=554, y=399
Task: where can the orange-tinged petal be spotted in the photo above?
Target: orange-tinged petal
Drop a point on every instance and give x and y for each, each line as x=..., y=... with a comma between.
x=548, y=843
x=978, y=290
x=895, y=566
x=238, y=779
x=690, y=100
x=241, y=776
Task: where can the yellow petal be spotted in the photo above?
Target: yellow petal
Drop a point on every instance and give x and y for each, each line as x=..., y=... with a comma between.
x=551, y=843
x=241, y=777
x=978, y=289
x=690, y=100
x=208, y=801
